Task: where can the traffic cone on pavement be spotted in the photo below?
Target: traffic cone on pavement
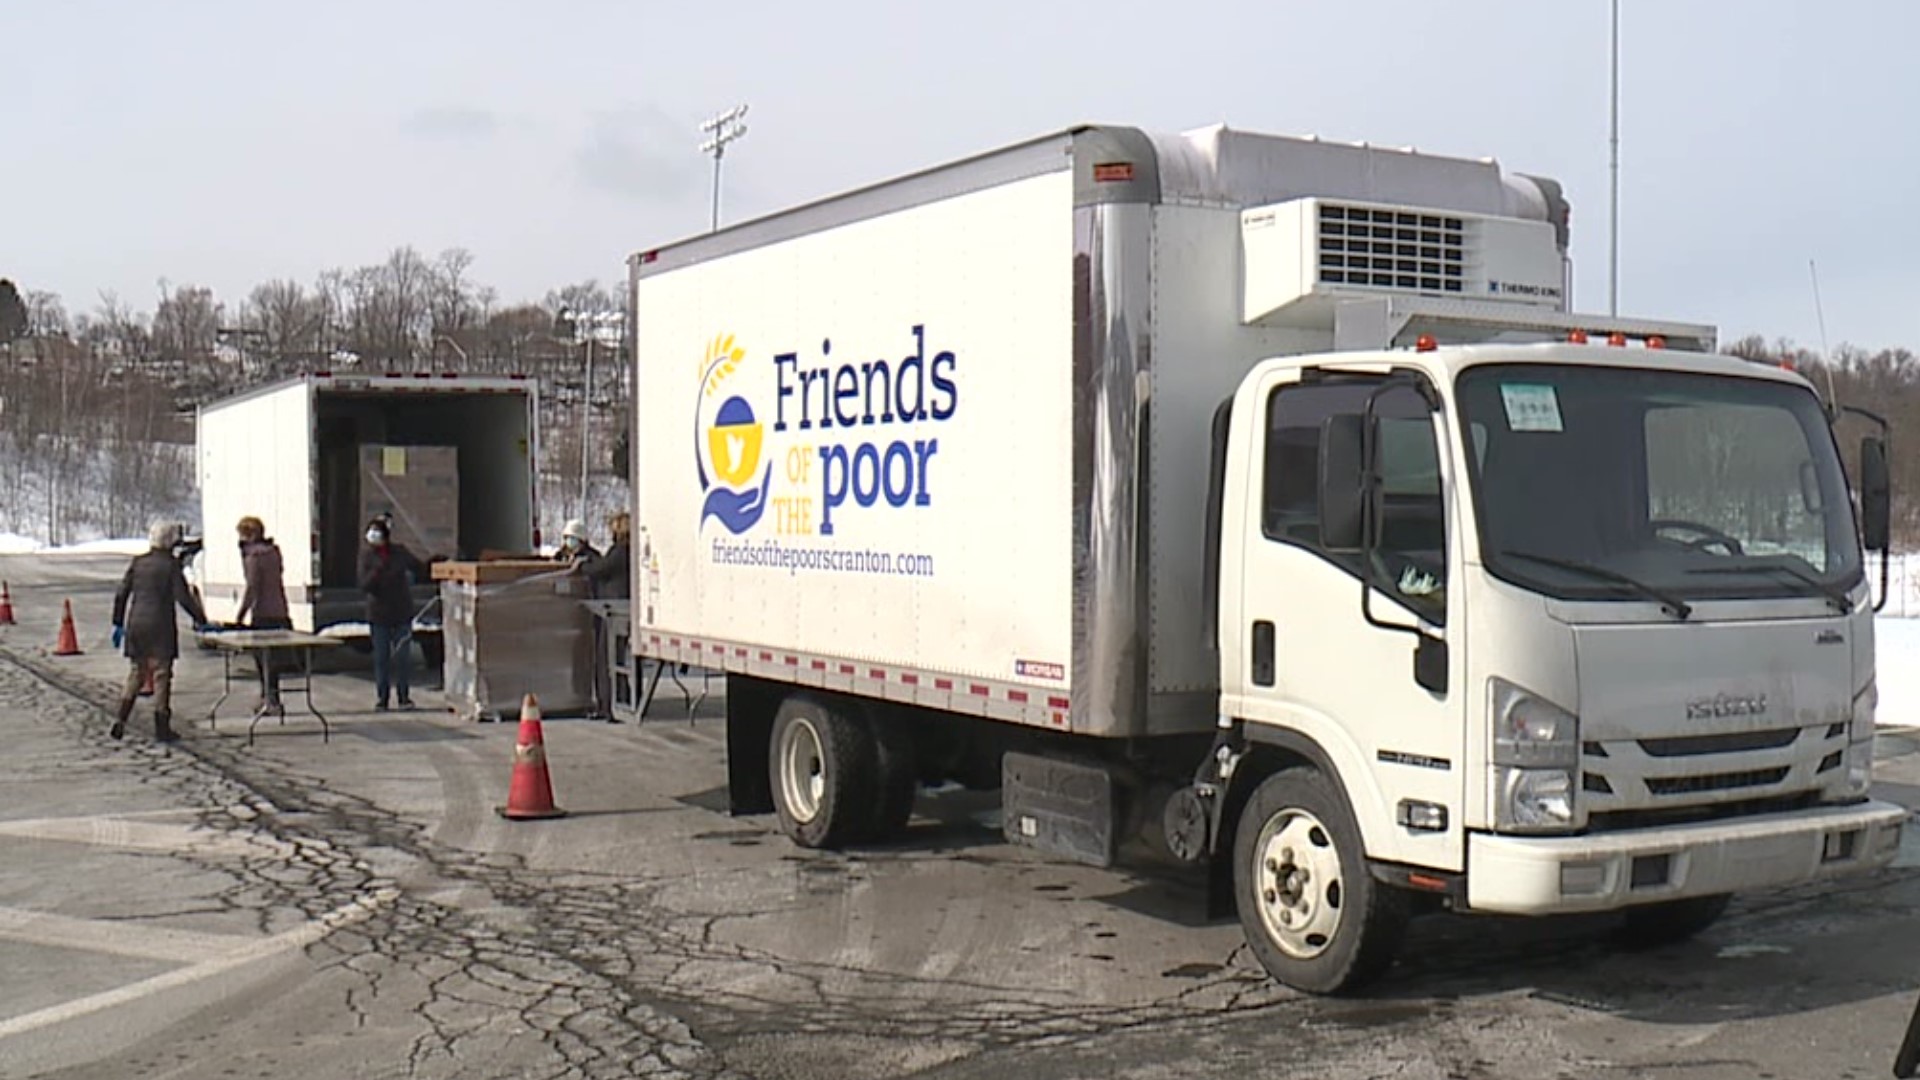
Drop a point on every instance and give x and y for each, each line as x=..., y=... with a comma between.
x=530, y=795
x=6, y=605
x=69, y=643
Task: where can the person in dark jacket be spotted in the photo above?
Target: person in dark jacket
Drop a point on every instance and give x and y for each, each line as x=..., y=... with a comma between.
x=609, y=575
x=386, y=573
x=144, y=627
x=607, y=579
x=574, y=548
x=265, y=600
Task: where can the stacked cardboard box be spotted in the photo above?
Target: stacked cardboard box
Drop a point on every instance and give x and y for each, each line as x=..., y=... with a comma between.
x=420, y=487
x=514, y=628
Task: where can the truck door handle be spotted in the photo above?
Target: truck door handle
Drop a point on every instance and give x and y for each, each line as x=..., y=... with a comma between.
x=1262, y=653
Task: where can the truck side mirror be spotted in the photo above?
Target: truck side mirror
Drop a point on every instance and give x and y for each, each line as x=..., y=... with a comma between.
x=1342, y=477
x=1876, y=495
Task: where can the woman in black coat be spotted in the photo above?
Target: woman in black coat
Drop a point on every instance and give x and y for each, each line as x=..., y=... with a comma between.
x=144, y=626
x=386, y=576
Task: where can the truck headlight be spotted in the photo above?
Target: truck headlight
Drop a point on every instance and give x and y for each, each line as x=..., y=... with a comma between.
x=1536, y=756
x=1534, y=799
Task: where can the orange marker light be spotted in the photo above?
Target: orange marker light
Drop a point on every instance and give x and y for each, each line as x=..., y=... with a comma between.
x=1617, y=339
x=1578, y=337
x=1656, y=342
x=1425, y=343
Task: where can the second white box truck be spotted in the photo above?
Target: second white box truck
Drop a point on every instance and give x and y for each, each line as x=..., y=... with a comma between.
x=314, y=455
x=1257, y=493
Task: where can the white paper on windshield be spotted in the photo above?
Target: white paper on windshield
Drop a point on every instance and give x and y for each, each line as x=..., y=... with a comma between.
x=1531, y=407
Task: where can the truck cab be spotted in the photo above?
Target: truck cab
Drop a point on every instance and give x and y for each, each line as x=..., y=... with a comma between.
x=1534, y=629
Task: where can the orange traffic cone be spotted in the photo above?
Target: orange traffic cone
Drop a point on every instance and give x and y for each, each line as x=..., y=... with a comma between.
x=69, y=643
x=6, y=605
x=531, y=793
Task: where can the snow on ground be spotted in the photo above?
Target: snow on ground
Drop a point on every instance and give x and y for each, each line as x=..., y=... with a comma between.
x=15, y=544
x=1897, y=671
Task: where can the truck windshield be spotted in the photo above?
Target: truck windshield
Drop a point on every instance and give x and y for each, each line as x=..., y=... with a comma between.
x=1600, y=482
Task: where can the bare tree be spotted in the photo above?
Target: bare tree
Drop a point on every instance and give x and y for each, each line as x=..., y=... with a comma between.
x=15, y=321
x=288, y=319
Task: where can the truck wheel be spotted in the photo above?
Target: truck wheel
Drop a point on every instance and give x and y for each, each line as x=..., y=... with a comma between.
x=822, y=768
x=1673, y=921
x=1313, y=915
x=898, y=778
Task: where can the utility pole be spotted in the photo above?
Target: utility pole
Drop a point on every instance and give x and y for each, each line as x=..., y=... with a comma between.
x=722, y=130
x=585, y=327
x=1613, y=195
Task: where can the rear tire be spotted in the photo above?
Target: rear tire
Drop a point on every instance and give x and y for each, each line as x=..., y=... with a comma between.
x=822, y=768
x=1669, y=923
x=1312, y=913
x=897, y=777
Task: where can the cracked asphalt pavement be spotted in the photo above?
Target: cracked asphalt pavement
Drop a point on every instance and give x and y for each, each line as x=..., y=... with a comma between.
x=356, y=908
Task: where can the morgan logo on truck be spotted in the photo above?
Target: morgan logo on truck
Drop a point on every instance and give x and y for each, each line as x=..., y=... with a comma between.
x=824, y=460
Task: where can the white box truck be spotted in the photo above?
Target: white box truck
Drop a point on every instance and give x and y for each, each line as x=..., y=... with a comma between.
x=296, y=455
x=1263, y=495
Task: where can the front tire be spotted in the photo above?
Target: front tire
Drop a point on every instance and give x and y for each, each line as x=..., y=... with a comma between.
x=822, y=767
x=1313, y=915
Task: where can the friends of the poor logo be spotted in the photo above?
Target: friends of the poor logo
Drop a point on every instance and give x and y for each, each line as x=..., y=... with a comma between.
x=856, y=434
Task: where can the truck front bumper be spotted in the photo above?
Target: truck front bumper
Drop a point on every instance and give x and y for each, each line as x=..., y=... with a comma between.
x=1544, y=875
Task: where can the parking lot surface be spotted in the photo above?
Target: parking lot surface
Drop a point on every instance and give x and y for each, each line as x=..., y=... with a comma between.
x=356, y=907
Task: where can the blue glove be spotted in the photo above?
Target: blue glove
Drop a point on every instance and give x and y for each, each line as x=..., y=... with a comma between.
x=119, y=634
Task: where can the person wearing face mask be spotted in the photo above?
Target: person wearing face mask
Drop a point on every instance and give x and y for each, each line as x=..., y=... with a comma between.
x=387, y=571
x=574, y=548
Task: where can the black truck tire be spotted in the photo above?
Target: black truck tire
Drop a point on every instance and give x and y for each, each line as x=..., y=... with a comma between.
x=823, y=767
x=1313, y=915
x=898, y=779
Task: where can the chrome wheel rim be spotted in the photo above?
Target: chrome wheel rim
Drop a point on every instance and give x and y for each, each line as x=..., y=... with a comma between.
x=803, y=771
x=1297, y=882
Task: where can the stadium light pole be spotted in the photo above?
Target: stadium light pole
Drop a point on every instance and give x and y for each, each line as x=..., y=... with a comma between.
x=1613, y=194
x=721, y=130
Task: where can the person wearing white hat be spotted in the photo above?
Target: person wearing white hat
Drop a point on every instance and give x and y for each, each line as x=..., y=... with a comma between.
x=574, y=548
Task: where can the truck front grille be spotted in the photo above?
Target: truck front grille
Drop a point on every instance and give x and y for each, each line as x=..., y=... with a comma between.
x=1706, y=777
x=1733, y=743
x=1614, y=820
x=1728, y=781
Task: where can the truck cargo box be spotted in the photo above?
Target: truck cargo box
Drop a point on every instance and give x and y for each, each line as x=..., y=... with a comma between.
x=946, y=440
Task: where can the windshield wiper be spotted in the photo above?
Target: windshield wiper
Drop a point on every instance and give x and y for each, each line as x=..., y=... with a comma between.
x=1673, y=605
x=1842, y=603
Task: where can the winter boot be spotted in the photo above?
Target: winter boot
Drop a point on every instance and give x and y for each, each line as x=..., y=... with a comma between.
x=119, y=729
x=163, y=726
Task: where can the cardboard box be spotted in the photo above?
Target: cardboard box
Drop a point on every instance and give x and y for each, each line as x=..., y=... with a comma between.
x=420, y=487
x=513, y=629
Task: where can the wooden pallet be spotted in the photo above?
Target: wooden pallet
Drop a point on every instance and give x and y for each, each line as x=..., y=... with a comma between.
x=494, y=571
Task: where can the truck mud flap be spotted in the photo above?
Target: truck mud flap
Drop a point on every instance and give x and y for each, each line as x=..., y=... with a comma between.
x=1062, y=808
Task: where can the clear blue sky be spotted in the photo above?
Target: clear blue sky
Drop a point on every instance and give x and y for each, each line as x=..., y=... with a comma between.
x=225, y=143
